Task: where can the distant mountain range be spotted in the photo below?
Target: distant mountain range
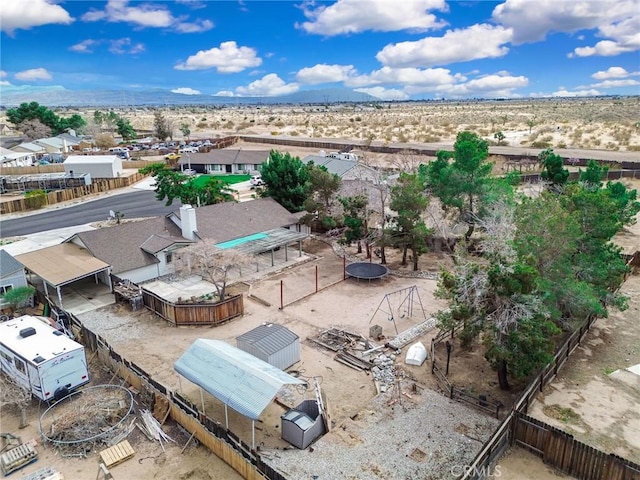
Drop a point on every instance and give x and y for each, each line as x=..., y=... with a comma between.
x=58, y=96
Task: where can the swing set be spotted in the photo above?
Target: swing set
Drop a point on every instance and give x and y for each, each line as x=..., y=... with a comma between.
x=401, y=304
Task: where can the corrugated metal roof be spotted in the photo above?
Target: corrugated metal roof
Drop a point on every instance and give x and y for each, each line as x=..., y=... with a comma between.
x=269, y=338
x=240, y=380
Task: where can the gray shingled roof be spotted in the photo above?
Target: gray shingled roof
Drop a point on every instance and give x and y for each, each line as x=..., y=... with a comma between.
x=230, y=220
x=8, y=264
x=333, y=165
x=121, y=245
x=226, y=157
x=269, y=338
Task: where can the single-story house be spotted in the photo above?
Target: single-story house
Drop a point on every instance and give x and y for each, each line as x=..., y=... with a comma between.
x=54, y=145
x=9, y=158
x=345, y=169
x=29, y=147
x=12, y=275
x=224, y=161
x=98, y=166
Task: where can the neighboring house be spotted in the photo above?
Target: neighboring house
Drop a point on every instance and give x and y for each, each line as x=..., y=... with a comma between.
x=53, y=145
x=98, y=166
x=29, y=147
x=9, y=158
x=225, y=161
x=12, y=275
x=345, y=169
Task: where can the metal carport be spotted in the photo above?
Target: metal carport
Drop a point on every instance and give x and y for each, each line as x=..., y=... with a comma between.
x=236, y=378
x=63, y=264
x=267, y=241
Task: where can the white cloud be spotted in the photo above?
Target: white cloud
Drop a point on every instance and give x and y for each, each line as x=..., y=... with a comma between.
x=455, y=46
x=612, y=72
x=125, y=46
x=33, y=74
x=354, y=16
x=224, y=93
x=194, y=27
x=384, y=93
x=576, y=93
x=532, y=21
x=228, y=58
x=84, y=47
x=429, y=77
x=269, y=85
x=621, y=37
x=33, y=13
x=4, y=83
x=323, y=73
x=3, y=74
x=628, y=82
x=494, y=85
x=144, y=15
x=186, y=91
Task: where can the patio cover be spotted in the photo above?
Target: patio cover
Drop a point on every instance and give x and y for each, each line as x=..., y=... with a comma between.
x=62, y=264
x=236, y=378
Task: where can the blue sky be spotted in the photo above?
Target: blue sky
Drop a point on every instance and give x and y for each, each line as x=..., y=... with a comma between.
x=392, y=49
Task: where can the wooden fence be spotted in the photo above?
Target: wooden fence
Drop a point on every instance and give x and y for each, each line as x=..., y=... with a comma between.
x=99, y=185
x=181, y=314
x=556, y=447
x=562, y=451
x=219, y=440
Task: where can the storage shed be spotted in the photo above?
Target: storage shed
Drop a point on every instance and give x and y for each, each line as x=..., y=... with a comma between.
x=303, y=424
x=274, y=344
x=98, y=166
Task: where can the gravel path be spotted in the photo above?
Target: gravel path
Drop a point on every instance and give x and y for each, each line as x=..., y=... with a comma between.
x=426, y=437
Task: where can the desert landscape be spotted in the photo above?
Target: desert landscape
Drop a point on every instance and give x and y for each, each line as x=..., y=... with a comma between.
x=591, y=399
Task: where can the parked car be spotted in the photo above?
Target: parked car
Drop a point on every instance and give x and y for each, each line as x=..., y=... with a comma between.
x=256, y=181
x=189, y=171
x=172, y=156
x=189, y=150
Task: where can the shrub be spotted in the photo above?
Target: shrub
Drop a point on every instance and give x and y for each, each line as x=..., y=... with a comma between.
x=35, y=199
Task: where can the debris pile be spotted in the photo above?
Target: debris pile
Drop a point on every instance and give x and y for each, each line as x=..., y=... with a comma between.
x=384, y=372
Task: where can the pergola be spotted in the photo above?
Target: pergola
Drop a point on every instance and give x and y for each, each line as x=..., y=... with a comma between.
x=267, y=241
x=62, y=265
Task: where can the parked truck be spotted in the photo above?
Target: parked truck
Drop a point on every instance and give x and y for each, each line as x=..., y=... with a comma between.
x=41, y=358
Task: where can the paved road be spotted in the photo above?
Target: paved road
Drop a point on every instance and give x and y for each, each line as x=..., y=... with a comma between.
x=133, y=205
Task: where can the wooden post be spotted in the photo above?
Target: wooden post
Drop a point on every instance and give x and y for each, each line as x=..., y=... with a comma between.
x=281, y=295
x=316, y=278
x=344, y=267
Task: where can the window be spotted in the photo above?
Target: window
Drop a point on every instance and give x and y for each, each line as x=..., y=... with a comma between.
x=6, y=357
x=5, y=288
x=168, y=258
x=20, y=365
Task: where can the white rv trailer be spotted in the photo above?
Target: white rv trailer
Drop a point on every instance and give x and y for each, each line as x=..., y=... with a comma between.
x=40, y=358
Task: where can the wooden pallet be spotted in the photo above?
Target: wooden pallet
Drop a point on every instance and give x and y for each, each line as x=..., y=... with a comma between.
x=17, y=458
x=117, y=454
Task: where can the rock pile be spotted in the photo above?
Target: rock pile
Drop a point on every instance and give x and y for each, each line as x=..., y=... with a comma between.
x=384, y=372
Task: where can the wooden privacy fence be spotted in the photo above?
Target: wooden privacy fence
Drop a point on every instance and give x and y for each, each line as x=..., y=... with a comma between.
x=560, y=449
x=219, y=440
x=180, y=314
x=556, y=447
x=97, y=186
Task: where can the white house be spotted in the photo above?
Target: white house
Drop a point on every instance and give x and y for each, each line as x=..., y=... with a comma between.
x=98, y=166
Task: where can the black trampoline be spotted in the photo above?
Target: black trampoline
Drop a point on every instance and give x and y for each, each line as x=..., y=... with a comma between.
x=366, y=270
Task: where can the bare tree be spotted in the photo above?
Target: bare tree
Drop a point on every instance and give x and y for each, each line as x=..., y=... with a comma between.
x=34, y=129
x=407, y=161
x=14, y=395
x=211, y=263
x=104, y=141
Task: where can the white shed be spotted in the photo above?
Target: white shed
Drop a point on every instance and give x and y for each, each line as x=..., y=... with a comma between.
x=98, y=166
x=271, y=343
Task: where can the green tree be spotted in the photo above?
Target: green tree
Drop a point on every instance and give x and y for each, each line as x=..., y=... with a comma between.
x=553, y=170
x=18, y=297
x=186, y=131
x=324, y=185
x=460, y=178
x=35, y=111
x=499, y=136
x=161, y=126
x=286, y=180
x=355, y=219
x=125, y=129
x=498, y=296
x=409, y=201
